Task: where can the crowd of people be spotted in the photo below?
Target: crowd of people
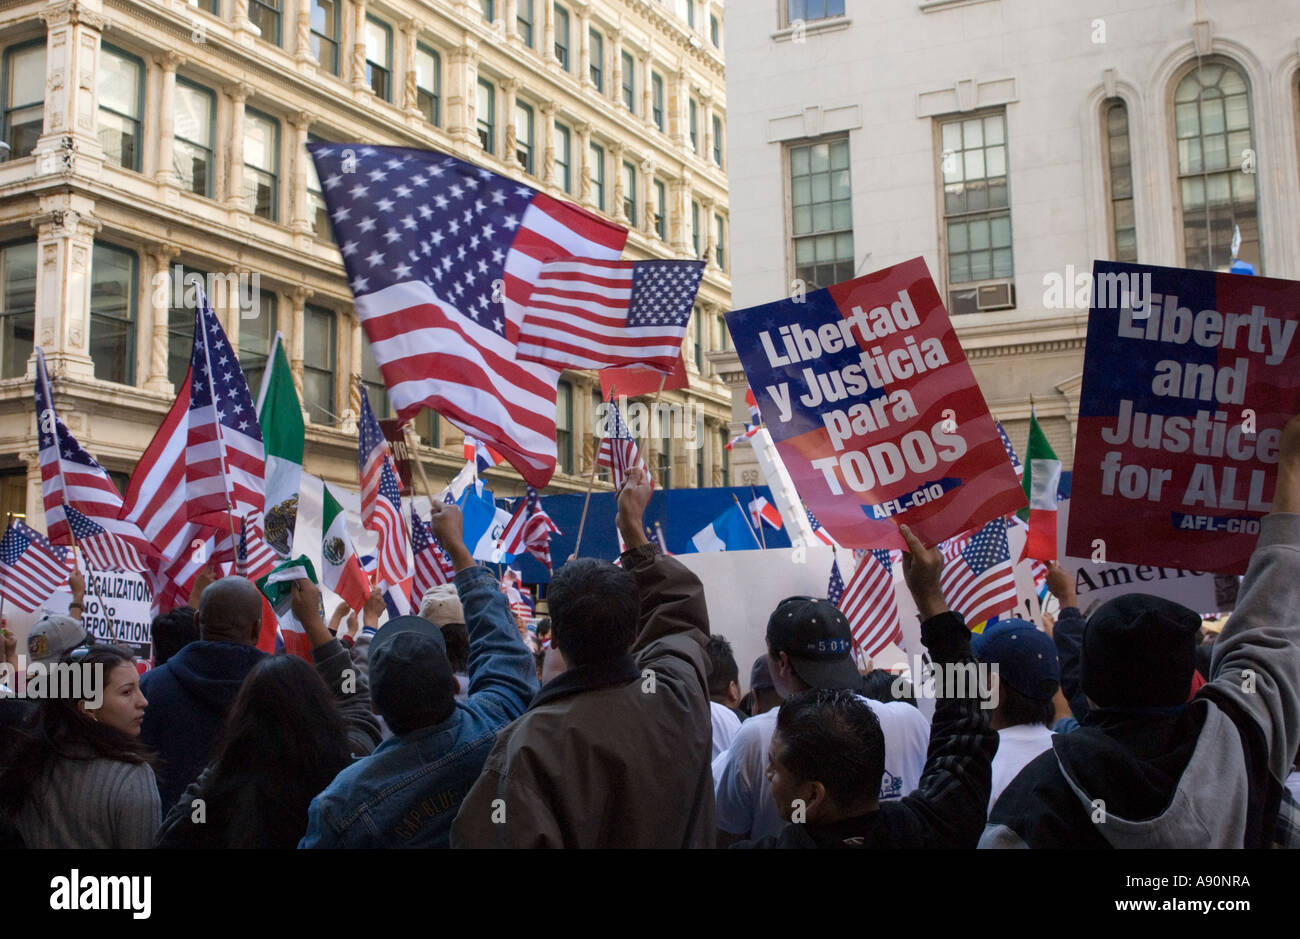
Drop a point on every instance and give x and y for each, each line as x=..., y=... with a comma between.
x=622, y=722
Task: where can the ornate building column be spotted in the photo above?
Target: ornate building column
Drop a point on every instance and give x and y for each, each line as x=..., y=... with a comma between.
x=65, y=239
x=160, y=255
x=238, y=93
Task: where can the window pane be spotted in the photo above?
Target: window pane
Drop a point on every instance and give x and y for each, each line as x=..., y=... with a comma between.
x=260, y=142
x=17, y=308
x=119, y=83
x=951, y=134
x=972, y=133
x=193, y=115
x=377, y=44
x=426, y=70
x=820, y=158
x=26, y=76
x=994, y=130
x=799, y=161
x=112, y=314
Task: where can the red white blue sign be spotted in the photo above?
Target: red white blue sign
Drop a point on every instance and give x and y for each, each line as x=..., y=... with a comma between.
x=1188, y=378
x=875, y=410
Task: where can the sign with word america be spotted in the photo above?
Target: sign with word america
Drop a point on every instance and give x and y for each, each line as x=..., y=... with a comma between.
x=1188, y=378
x=875, y=410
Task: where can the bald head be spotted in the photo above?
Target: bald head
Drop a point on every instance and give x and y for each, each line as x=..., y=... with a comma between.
x=230, y=610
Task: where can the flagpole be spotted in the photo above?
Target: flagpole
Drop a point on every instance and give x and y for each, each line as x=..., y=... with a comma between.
x=747, y=525
x=591, y=480
x=221, y=437
x=762, y=537
x=9, y=520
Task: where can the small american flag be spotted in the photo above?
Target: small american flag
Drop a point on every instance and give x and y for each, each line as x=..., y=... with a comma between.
x=254, y=558
x=432, y=566
x=618, y=450
x=869, y=602
x=583, y=313
x=818, y=532
x=835, y=587
x=224, y=457
x=977, y=579
x=30, y=567
x=1011, y=451
x=102, y=549
x=381, y=501
x=530, y=529
x=441, y=256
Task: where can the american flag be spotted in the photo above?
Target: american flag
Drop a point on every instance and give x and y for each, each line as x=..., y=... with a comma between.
x=835, y=587
x=441, y=255
x=530, y=529
x=254, y=558
x=102, y=549
x=432, y=566
x=30, y=567
x=1011, y=451
x=224, y=458
x=70, y=475
x=818, y=532
x=869, y=602
x=618, y=450
x=977, y=579
x=584, y=313
x=381, y=501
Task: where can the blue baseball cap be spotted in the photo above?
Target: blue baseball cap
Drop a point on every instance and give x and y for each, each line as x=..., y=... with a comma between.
x=1025, y=657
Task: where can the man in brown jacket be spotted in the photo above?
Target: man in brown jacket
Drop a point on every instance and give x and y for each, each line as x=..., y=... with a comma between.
x=615, y=751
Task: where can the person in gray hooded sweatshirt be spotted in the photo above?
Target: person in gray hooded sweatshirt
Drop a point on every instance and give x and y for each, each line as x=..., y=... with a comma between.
x=1147, y=768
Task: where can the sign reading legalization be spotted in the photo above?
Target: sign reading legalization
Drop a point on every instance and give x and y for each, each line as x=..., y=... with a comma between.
x=1188, y=378
x=874, y=409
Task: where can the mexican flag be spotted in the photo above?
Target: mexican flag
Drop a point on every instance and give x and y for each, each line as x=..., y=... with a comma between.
x=277, y=587
x=280, y=415
x=1042, y=478
x=340, y=570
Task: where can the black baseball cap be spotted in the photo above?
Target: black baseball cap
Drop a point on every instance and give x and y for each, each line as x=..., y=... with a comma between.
x=817, y=638
x=410, y=676
x=1139, y=651
x=760, y=676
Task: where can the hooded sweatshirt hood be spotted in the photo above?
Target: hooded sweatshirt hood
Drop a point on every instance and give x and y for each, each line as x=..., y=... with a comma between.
x=212, y=672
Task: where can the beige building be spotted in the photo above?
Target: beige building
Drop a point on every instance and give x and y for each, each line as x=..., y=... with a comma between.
x=149, y=140
x=1009, y=143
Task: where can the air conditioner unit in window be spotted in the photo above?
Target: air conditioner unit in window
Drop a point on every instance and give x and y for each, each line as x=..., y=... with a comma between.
x=996, y=296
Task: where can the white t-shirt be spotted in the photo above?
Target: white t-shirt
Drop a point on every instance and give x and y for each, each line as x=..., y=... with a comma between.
x=1016, y=747
x=744, y=803
x=725, y=726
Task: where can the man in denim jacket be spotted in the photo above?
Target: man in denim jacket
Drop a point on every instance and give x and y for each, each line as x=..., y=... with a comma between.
x=407, y=792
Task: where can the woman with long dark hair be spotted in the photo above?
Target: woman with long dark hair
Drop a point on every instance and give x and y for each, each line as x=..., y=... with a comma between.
x=78, y=775
x=287, y=736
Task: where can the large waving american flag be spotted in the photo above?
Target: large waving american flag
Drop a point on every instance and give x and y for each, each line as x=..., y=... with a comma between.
x=869, y=602
x=589, y=314
x=225, y=461
x=441, y=256
x=381, y=500
x=31, y=568
x=978, y=580
x=618, y=450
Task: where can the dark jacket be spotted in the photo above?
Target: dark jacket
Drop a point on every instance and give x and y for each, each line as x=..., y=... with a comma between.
x=947, y=809
x=251, y=821
x=1202, y=775
x=189, y=698
x=617, y=756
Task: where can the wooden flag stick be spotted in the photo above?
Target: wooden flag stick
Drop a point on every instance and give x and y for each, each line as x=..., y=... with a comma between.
x=745, y=516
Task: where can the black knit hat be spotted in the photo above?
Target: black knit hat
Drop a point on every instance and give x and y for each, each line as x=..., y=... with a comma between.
x=1139, y=651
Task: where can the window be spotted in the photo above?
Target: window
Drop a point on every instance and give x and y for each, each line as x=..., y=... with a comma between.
x=24, y=102
x=657, y=99
x=821, y=215
x=379, y=58
x=977, y=219
x=665, y=458
x=724, y=439
x=428, y=84
x=373, y=380
x=1119, y=159
x=724, y=337
x=180, y=323
x=485, y=116
x=597, y=52
x=13, y=492
x=564, y=427
x=598, y=175
x=17, y=307
x=564, y=157
x=717, y=140
x=629, y=82
x=720, y=241
x=428, y=427
x=524, y=21
x=715, y=32
x=661, y=211
x=319, y=212
x=112, y=313
x=192, y=153
x=690, y=13
x=261, y=165
x=212, y=6
x=1212, y=125
x=489, y=9
x=698, y=316
x=255, y=337
x=629, y=193
x=695, y=126
x=121, y=102
x=591, y=448
x=319, y=351
x=562, y=36
x=325, y=30
x=524, y=136
x=695, y=229
x=813, y=9
x=265, y=15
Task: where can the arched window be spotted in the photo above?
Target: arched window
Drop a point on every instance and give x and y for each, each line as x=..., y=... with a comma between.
x=1119, y=163
x=1216, y=166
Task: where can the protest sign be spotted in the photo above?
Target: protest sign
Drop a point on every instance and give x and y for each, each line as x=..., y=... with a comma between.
x=1188, y=378
x=875, y=410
